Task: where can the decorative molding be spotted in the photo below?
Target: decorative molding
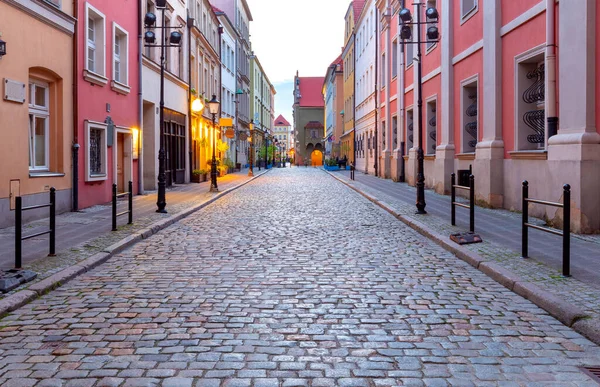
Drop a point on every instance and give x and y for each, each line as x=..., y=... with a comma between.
x=432, y=74
x=468, y=52
x=466, y=156
x=523, y=18
x=529, y=155
x=94, y=78
x=46, y=13
x=120, y=88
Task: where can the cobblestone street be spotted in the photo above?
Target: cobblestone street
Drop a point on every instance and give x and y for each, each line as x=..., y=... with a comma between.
x=292, y=280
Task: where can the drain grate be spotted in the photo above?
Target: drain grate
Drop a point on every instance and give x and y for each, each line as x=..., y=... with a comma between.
x=592, y=372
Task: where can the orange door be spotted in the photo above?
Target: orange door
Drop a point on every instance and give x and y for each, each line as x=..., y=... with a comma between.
x=316, y=158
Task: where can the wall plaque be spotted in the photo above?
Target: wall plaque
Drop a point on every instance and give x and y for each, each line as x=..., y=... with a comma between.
x=14, y=91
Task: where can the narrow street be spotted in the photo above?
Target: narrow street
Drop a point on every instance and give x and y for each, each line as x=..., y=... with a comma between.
x=292, y=280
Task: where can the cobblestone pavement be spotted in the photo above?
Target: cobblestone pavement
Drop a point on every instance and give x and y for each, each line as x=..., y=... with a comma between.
x=87, y=232
x=292, y=280
x=585, y=294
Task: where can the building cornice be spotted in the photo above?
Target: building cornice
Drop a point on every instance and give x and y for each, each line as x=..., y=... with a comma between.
x=46, y=14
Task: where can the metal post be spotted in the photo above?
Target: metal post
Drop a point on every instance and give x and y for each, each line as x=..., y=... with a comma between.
x=18, y=229
x=114, y=207
x=420, y=156
x=452, y=199
x=52, y=252
x=161, y=202
x=525, y=219
x=130, y=197
x=75, y=206
x=472, y=203
x=567, y=230
x=213, y=164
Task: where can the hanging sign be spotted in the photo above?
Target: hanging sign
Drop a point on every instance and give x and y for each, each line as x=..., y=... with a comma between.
x=225, y=122
x=230, y=133
x=243, y=136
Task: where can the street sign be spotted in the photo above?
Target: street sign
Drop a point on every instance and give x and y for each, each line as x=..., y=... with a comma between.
x=225, y=122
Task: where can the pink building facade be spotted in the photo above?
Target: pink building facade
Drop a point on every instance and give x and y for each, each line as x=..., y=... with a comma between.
x=107, y=77
x=501, y=72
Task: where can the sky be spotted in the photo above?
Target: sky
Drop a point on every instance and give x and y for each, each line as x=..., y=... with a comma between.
x=291, y=35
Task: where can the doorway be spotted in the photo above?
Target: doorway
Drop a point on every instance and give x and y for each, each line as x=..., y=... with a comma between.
x=316, y=158
x=123, y=159
x=120, y=161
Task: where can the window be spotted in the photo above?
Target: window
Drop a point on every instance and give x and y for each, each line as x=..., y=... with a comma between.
x=431, y=135
x=467, y=8
x=55, y=3
x=96, y=151
x=409, y=130
x=469, y=110
x=395, y=132
x=409, y=53
x=383, y=70
x=120, y=60
x=530, y=114
x=430, y=4
x=383, y=129
x=39, y=126
x=394, y=59
x=95, y=71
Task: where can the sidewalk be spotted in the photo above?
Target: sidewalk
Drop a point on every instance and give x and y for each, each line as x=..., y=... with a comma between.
x=501, y=234
x=82, y=234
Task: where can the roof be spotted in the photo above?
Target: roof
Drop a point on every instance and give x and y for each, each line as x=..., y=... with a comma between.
x=217, y=10
x=358, y=5
x=281, y=121
x=313, y=125
x=311, y=92
x=337, y=61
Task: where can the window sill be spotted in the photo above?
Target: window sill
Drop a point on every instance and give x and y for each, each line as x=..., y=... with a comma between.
x=430, y=48
x=94, y=78
x=469, y=15
x=96, y=177
x=120, y=87
x=35, y=174
x=466, y=156
x=409, y=65
x=529, y=155
x=429, y=157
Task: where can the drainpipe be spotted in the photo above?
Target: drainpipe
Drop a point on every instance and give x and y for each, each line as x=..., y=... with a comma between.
x=354, y=98
x=551, y=68
x=75, y=147
x=190, y=23
x=401, y=112
x=376, y=138
x=140, y=102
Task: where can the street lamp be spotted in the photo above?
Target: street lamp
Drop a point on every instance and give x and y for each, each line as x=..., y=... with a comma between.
x=251, y=141
x=213, y=107
x=150, y=41
x=406, y=23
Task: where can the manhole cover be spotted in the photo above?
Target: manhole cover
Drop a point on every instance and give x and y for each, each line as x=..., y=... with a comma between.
x=592, y=372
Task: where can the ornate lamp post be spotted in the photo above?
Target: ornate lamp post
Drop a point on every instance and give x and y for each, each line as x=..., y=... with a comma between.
x=213, y=107
x=251, y=141
x=150, y=41
x=406, y=24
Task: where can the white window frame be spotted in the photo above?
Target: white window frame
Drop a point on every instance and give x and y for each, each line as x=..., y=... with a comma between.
x=521, y=144
x=472, y=81
x=98, y=74
x=428, y=115
x=104, y=151
x=38, y=111
x=467, y=14
x=121, y=35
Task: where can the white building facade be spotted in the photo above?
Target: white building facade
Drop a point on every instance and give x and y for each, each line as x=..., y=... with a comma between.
x=365, y=114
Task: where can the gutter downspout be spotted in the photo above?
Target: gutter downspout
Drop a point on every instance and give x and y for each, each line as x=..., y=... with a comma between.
x=354, y=98
x=401, y=112
x=75, y=146
x=551, y=68
x=190, y=22
x=376, y=138
x=140, y=102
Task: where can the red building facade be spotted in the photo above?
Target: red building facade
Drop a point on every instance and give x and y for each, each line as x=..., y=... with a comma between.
x=500, y=73
x=107, y=78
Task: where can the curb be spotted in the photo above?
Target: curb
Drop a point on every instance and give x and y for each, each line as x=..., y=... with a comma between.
x=568, y=314
x=25, y=296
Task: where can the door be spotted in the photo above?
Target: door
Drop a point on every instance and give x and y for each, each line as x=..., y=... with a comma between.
x=120, y=162
x=316, y=158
